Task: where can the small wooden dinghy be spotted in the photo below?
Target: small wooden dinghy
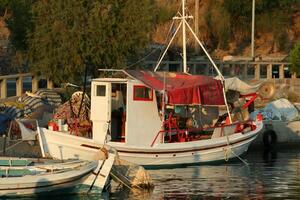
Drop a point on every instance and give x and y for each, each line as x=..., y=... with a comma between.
x=29, y=177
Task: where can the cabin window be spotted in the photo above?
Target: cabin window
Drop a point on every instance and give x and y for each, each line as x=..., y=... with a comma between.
x=142, y=93
x=100, y=90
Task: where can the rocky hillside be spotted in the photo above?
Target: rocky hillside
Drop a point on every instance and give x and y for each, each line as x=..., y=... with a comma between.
x=277, y=28
x=224, y=27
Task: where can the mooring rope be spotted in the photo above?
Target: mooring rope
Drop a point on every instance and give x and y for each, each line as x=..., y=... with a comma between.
x=19, y=142
x=116, y=177
x=12, y=146
x=232, y=151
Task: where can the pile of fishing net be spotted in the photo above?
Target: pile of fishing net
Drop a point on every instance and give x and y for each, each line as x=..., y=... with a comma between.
x=72, y=106
x=76, y=112
x=131, y=175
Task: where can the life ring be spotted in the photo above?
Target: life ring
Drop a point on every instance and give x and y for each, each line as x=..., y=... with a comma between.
x=269, y=138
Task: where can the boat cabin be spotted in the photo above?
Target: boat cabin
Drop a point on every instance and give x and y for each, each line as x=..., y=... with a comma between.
x=122, y=106
x=135, y=109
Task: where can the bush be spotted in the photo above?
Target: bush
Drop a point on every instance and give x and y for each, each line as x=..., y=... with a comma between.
x=217, y=20
x=281, y=40
x=294, y=59
x=163, y=14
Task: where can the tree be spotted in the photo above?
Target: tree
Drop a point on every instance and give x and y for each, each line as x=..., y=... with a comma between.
x=71, y=34
x=294, y=59
x=19, y=22
x=5, y=7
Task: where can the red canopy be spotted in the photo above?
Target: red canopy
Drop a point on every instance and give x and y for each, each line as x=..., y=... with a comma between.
x=183, y=89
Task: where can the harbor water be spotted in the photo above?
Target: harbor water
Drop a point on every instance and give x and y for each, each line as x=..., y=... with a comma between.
x=268, y=175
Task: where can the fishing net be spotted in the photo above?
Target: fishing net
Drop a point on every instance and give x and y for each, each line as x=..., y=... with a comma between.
x=131, y=175
x=78, y=104
x=77, y=114
x=71, y=108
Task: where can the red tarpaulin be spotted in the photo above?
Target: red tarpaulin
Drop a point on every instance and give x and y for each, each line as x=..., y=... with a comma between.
x=183, y=89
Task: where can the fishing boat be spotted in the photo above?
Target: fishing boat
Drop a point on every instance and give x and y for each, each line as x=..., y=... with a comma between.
x=21, y=177
x=156, y=118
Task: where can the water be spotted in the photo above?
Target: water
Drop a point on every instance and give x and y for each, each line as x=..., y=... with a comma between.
x=269, y=175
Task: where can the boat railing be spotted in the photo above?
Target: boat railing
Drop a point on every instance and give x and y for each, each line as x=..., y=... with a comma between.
x=183, y=133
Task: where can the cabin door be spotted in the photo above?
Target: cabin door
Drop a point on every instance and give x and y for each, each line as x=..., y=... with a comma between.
x=101, y=111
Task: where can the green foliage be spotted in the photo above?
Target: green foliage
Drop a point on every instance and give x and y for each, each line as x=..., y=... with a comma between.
x=240, y=15
x=231, y=20
x=239, y=9
x=163, y=14
x=281, y=40
x=218, y=21
x=262, y=6
x=19, y=23
x=4, y=6
x=70, y=34
x=294, y=59
x=272, y=16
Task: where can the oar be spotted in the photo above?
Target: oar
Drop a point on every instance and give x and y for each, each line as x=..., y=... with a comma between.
x=91, y=187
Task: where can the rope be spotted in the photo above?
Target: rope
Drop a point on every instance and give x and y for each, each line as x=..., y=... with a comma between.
x=112, y=174
x=144, y=58
x=9, y=130
x=229, y=149
x=127, y=179
x=154, y=50
x=226, y=154
x=12, y=146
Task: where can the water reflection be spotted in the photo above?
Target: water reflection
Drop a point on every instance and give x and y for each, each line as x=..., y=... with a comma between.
x=269, y=175
x=270, y=156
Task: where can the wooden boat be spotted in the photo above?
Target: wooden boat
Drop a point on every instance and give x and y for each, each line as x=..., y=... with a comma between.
x=37, y=177
x=141, y=136
x=155, y=118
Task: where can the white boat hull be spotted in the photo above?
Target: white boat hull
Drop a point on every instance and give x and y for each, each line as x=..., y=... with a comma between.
x=201, y=151
x=49, y=182
x=63, y=146
x=179, y=153
x=187, y=157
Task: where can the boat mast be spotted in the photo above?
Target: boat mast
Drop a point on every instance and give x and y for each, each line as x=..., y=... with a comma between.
x=184, y=38
x=183, y=18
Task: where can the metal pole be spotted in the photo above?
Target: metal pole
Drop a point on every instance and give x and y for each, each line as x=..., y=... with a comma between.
x=197, y=24
x=4, y=145
x=184, y=38
x=203, y=48
x=163, y=109
x=252, y=31
x=162, y=57
x=216, y=68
